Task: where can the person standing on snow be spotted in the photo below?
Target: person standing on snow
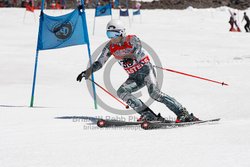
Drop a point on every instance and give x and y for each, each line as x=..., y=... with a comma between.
x=246, y=18
x=232, y=22
x=127, y=50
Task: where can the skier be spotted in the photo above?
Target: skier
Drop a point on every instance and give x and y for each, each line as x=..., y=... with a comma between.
x=127, y=49
x=232, y=22
x=246, y=18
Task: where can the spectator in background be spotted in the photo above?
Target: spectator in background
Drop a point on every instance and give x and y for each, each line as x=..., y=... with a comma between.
x=30, y=3
x=232, y=22
x=6, y=3
x=53, y=4
x=23, y=4
x=137, y=5
x=247, y=25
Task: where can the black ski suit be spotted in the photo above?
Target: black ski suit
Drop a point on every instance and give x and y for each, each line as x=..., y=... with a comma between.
x=247, y=26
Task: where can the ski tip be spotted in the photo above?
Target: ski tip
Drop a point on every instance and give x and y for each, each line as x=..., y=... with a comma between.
x=101, y=123
x=223, y=83
x=217, y=119
x=145, y=125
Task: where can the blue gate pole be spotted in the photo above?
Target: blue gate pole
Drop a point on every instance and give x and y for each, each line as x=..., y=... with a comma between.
x=85, y=29
x=34, y=81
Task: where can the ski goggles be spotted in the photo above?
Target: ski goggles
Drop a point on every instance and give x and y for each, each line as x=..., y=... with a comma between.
x=113, y=34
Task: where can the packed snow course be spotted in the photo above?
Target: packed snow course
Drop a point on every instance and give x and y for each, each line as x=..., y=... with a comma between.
x=60, y=129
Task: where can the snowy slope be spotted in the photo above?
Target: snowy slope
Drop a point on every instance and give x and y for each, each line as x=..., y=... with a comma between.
x=59, y=131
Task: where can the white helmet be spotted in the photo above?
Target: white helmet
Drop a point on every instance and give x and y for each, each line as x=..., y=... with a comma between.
x=117, y=26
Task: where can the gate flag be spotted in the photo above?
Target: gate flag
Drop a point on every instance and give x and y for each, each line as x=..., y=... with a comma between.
x=103, y=10
x=124, y=12
x=137, y=12
x=61, y=31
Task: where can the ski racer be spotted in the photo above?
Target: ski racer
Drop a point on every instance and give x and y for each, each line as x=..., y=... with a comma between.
x=127, y=50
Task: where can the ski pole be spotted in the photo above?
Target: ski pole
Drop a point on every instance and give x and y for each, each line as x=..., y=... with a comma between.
x=126, y=106
x=190, y=75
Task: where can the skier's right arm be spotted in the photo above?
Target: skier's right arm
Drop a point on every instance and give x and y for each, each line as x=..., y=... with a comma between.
x=105, y=55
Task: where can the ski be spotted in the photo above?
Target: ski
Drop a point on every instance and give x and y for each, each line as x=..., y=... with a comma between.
x=111, y=123
x=150, y=124
x=161, y=125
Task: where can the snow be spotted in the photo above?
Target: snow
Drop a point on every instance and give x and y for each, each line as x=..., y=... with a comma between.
x=58, y=131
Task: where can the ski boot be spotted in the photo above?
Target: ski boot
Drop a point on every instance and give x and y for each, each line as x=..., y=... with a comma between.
x=147, y=115
x=163, y=120
x=186, y=117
